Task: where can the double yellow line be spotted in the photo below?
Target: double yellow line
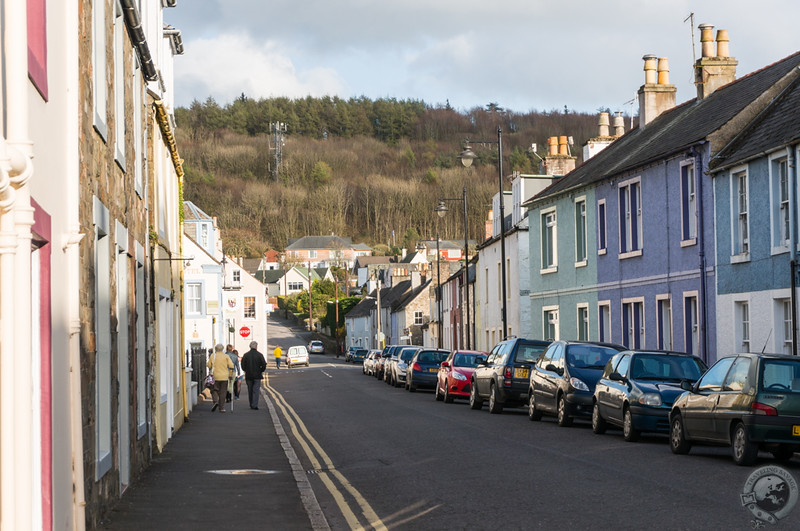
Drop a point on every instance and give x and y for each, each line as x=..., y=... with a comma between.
x=327, y=471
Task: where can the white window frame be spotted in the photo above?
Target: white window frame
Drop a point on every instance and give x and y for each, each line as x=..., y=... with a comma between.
x=245, y=309
x=550, y=318
x=604, y=321
x=119, y=86
x=419, y=318
x=190, y=298
x=629, y=307
x=102, y=323
x=141, y=316
x=783, y=321
x=688, y=203
x=582, y=321
x=780, y=203
x=581, y=232
x=312, y=253
x=99, y=66
x=740, y=215
x=630, y=218
x=741, y=322
x=691, y=322
x=602, y=227
x=549, y=235
x=664, y=328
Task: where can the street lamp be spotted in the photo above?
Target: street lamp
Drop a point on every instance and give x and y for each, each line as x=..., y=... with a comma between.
x=467, y=156
x=442, y=209
x=438, y=294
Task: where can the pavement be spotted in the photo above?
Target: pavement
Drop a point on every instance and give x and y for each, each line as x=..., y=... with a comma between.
x=222, y=471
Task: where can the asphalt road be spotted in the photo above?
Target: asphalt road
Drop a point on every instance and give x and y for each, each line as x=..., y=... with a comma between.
x=381, y=457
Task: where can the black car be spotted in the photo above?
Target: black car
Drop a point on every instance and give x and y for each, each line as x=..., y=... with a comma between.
x=637, y=390
x=503, y=377
x=423, y=369
x=562, y=382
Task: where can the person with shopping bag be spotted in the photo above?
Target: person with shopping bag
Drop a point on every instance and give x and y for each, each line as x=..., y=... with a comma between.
x=221, y=366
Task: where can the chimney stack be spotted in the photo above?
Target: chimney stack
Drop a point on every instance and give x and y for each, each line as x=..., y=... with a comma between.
x=558, y=160
x=619, y=124
x=602, y=124
x=713, y=71
x=604, y=139
x=656, y=95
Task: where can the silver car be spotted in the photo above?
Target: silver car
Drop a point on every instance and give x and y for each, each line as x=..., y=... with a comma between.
x=400, y=366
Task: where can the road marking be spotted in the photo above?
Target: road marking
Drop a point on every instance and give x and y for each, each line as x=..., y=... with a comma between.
x=328, y=470
x=326, y=374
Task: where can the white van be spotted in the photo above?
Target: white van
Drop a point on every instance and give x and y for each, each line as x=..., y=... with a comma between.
x=297, y=356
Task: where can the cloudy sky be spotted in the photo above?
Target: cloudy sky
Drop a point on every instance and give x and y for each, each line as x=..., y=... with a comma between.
x=521, y=54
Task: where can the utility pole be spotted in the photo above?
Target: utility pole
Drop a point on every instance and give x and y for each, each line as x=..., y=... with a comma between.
x=310, y=314
x=277, y=130
x=379, y=336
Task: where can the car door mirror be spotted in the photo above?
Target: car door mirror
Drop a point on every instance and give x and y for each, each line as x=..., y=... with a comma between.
x=617, y=377
x=688, y=385
x=445, y=364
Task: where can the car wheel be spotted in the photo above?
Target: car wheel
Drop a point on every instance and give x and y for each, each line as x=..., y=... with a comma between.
x=448, y=398
x=628, y=431
x=744, y=451
x=598, y=422
x=533, y=413
x=783, y=453
x=563, y=418
x=495, y=406
x=475, y=401
x=436, y=393
x=677, y=436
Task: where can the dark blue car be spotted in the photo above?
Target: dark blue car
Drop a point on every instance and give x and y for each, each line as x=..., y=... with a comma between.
x=423, y=369
x=638, y=388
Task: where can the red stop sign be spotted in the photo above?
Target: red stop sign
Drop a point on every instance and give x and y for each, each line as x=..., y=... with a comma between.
x=244, y=331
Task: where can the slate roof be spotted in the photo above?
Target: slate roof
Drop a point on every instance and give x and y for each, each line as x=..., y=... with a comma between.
x=672, y=131
x=269, y=276
x=409, y=298
x=319, y=242
x=251, y=265
x=363, y=261
x=192, y=212
x=363, y=308
x=776, y=126
x=389, y=296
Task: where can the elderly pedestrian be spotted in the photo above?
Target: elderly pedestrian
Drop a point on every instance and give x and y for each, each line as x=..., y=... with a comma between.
x=221, y=366
x=254, y=365
x=234, y=356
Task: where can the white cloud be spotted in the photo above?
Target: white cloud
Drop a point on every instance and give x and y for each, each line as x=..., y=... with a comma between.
x=229, y=65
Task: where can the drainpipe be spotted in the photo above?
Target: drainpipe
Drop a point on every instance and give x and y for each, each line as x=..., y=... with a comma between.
x=702, y=312
x=792, y=163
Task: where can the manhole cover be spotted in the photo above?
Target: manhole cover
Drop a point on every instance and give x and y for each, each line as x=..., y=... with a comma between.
x=243, y=472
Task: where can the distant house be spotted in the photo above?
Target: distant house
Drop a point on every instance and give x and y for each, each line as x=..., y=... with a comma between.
x=365, y=267
x=325, y=251
x=358, y=323
x=410, y=313
x=448, y=249
x=282, y=282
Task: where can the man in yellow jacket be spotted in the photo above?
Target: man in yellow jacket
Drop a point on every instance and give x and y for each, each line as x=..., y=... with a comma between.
x=221, y=367
x=277, y=353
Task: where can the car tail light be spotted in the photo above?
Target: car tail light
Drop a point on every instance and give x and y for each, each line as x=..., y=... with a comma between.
x=507, y=373
x=763, y=409
x=416, y=367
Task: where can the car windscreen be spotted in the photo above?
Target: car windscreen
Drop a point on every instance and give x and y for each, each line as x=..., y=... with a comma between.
x=589, y=356
x=781, y=375
x=462, y=359
x=407, y=354
x=432, y=356
x=527, y=352
x=361, y=352
x=666, y=368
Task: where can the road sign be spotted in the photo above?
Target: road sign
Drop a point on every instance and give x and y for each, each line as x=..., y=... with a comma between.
x=244, y=331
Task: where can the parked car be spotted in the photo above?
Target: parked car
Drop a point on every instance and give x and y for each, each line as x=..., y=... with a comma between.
x=503, y=378
x=348, y=356
x=369, y=362
x=400, y=365
x=455, y=374
x=297, y=355
x=637, y=390
x=380, y=363
x=358, y=355
x=748, y=401
x=316, y=347
x=423, y=368
x=563, y=381
x=390, y=366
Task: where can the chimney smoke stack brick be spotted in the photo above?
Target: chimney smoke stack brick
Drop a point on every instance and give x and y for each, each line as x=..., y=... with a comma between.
x=707, y=39
x=562, y=146
x=656, y=95
x=722, y=44
x=712, y=72
x=619, y=124
x=552, y=145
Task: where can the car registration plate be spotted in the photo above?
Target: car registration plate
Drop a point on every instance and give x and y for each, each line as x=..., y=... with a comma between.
x=796, y=430
x=433, y=369
x=520, y=373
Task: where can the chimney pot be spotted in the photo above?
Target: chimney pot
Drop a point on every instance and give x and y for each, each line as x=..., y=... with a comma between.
x=562, y=145
x=619, y=124
x=552, y=145
x=663, y=71
x=649, y=69
x=707, y=39
x=722, y=43
x=603, y=124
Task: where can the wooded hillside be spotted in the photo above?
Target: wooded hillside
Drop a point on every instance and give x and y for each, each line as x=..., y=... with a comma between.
x=370, y=170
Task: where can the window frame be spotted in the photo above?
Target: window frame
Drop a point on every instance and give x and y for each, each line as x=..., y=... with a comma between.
x=549, y=235
x=780, y=203
x=664, y=326
x=547, y=312
x=602, y=227
x=630, y=218
x=199, y=286
x=691, y=322
x=633, y=310
x=582, y=321
x=581, y=232
x=249, y=307
x=99, y=67
x=740, y=219
x=688, y=203
x=604, y=321
x=419, y=318
x=742, y=325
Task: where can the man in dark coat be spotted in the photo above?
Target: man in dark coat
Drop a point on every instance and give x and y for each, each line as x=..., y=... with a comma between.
x=254, y=365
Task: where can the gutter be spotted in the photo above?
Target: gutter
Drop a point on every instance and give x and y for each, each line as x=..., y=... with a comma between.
x=169, y=137
x=136, y=33
x=792, y=168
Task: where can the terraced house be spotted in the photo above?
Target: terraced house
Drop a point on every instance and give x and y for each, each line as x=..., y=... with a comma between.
x=623, y=247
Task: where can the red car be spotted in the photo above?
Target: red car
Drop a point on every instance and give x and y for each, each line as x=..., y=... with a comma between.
x=455, y=374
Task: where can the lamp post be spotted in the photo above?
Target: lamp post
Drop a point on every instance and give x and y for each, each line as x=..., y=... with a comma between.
x=442, y=209
x=467, y=156
x=438, y=294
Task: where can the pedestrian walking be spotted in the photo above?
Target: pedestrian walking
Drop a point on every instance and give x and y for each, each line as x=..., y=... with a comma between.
x=234, y=356
x=220, y=365
x=277, y=353
x=254, y=365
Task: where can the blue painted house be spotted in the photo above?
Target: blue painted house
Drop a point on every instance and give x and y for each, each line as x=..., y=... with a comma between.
x=625, y=243
x=756, y=191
